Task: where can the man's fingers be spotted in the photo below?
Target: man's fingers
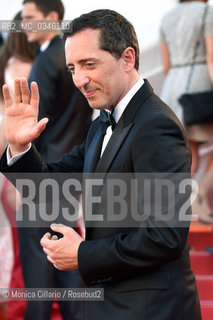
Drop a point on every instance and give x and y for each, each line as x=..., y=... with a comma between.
x=39, y=127
x=59, y=227
x=46, y=250
x=34, y=101
x=54, y=237
x=45, y=239
x=50, y=259
x=17, y=86
x=7, y=98
x=42, y=123
x=25, y=92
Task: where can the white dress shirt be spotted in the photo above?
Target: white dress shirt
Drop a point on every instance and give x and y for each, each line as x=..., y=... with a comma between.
x=44, y=45
x=119, y=109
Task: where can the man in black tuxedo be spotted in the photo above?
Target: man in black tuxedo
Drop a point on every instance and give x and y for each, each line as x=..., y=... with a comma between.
x=65, y=107
x=143, y=266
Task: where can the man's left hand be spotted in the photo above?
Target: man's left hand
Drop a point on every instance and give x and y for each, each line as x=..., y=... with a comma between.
x=63, y=252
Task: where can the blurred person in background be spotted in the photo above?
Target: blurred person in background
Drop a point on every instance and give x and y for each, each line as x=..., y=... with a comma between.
x=181, y=29
x=16, y=59
x=69, y=117
x=1, y=40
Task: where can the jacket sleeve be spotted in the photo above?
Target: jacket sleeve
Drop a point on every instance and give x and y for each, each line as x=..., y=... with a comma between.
x=31, y=162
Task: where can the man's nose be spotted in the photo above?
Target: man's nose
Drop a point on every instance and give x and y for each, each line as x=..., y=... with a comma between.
x=80, y=79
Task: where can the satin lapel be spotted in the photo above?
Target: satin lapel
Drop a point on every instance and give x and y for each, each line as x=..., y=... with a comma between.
x=92, y=153
x=123, y=127
x=119, y=134
x=113, y=146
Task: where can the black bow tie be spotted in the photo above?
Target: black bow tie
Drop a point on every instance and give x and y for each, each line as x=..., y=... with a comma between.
x=106, y=119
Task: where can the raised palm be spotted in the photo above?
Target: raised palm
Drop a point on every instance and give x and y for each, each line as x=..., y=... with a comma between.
x=22, y=124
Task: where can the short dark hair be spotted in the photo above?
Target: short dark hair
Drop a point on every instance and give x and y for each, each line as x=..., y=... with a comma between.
x=47, y=6
x=116, y=32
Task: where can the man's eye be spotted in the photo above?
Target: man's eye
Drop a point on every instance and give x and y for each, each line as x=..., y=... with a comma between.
x=90, y=65
x=71, y=70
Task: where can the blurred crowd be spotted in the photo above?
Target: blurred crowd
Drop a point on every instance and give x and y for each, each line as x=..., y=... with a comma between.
x=186, y=37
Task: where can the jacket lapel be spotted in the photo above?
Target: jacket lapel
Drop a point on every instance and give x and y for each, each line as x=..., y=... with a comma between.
x=116, y=140
x=93, y=152
x=123, y=127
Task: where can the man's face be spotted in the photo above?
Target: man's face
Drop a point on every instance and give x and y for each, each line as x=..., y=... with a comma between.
x=97, y=73
x=31, y=12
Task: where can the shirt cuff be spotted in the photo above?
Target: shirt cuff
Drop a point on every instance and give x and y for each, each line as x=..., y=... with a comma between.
x=12, y=160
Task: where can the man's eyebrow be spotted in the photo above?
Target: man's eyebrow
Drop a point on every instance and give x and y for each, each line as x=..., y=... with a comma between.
x=82, y=61
x=69, y=65
x=26, y=16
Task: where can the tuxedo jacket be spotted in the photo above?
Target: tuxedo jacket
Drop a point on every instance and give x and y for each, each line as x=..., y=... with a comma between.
x=145, y=269
x=67, y=109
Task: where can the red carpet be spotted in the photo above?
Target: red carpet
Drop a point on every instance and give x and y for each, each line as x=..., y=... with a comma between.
x=200, y=238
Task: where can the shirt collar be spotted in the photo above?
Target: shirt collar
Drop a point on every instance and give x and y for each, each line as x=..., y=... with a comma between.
x=121, y=106
x=44, y=45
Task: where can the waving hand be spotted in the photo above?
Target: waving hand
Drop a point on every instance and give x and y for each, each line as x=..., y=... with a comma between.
x=22, y=124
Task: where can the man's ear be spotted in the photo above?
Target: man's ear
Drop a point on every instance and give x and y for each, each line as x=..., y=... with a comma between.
x=128, y=58
x=53, y=15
